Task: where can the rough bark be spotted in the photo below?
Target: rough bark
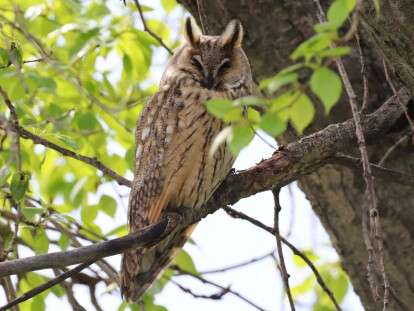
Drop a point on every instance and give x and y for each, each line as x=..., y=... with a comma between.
x=273, y=29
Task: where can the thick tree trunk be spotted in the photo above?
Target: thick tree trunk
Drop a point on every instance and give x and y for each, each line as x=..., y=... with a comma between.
x=273, y=29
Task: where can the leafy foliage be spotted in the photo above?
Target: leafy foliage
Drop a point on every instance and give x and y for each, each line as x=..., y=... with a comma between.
x=334, y=277
x=78, y=74
x=287, y=99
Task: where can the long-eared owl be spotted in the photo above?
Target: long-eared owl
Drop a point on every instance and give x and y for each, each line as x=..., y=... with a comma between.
x=174, y=134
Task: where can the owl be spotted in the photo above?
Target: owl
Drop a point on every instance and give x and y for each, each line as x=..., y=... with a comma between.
x=174, y=168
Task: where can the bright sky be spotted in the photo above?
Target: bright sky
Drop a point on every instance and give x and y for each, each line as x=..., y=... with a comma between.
x=222, y=241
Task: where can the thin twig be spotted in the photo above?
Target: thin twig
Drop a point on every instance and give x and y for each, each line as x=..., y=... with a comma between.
x=371, y=228
x=392, y=148
x=104, y=265
x=365, y=102
x=9, y=291
x=15, y=122
x=377, y=170
x=236, y=214
x=93, y=161
x=283, y=270
x=94, y=301
x=370, y=208
x=148, y=30
x=205, y=281
x=18, y=160
x=239, y=265
x=30, y=37
x=68, y=287
x=13, y=239
x=37, y=290
x=399, y=101
x=202, y=16
x=24, y=62
x=17, y=218
x=6, y=281
x=215, y=296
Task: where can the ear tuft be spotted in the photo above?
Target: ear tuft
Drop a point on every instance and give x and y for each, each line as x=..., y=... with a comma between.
x=192, y=32
x=233, y=34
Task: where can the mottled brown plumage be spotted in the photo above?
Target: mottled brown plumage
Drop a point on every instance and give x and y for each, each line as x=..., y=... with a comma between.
x=173, y=137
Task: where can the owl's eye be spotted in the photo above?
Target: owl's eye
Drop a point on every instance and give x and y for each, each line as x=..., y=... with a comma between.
x=196, y=63
x=224, y=65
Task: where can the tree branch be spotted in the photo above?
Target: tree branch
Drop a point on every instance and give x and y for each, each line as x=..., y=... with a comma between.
x=289, y=163
x=236, y=214
x=283, y=270
x=239, y=265
x=148, y=30
x=143, y=238
x=224, y=289
x=66, y=152
x=37, y=290
x=23, y=133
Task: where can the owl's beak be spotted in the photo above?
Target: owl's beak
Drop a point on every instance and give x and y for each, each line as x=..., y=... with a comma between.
x=208, y=81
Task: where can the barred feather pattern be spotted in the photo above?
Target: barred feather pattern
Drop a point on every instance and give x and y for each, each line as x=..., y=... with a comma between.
x=173, y=169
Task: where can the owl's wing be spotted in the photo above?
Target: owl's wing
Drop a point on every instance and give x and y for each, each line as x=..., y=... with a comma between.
x=149, y=196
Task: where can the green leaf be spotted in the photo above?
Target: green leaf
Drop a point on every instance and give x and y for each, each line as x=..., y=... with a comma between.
x=336, y=52
x=57, y=290
x=38, y=303
x=168, y=5
x=299, y=262
x=304, y=287
x=302, y=113
x=19, y=185
x=326, y=27
x=314, y=45
x=68, y=141
x=97, y=10
x=272, y=124
x=253, y=115
x=273, y=84
x=63, y=241
x=40, y=82
x=185, y=262
x=31, y=212
x=248, y=101
x=89, y=213
x=127, y=64
x=327, y=85
x=339, y=11
x=4, y=57
x=118, y=231
x=341, y=286
x=41, y=242
x=241, y=136
x=108, y=205
x=86, y=120
x=219, y=107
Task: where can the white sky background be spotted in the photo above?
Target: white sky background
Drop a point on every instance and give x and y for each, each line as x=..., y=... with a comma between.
x=222, y=240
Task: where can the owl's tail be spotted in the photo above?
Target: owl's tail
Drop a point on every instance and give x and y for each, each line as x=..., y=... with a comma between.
x=140, y=268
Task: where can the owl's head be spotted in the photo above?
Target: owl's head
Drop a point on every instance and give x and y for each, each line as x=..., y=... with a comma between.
x=216, y=62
